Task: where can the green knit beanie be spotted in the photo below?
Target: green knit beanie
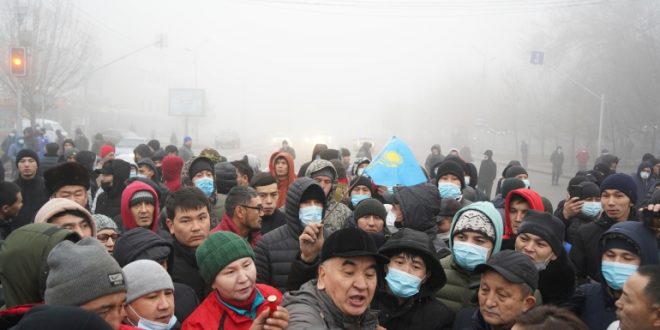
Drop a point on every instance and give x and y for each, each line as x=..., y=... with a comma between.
x=219, y=250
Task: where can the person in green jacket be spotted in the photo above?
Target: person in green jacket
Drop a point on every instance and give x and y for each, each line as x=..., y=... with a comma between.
x=475, y=234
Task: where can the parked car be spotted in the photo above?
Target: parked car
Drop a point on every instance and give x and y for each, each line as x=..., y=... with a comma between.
x=125, y=146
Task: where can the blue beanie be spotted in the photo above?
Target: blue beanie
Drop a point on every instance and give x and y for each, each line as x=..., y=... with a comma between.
x=623, y=183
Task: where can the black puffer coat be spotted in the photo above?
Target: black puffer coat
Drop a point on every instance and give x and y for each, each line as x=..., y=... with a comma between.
x=277, y=250
x=109, y=202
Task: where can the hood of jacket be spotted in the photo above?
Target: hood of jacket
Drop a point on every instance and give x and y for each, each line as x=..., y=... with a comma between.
x=420, y=205
x=171, y=167
x=318, y=165
x=225, y=177
x=289, y=159
x=491, y=212
x=642, y=166
x=641, y=237
x=293, y=198
x=533, y=199
x=126, y=216
x=121, y=170
x=23, y=266
x=140, y=243
x=418, y=243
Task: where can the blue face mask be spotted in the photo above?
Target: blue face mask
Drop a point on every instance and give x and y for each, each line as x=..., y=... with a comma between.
x=205, y=184
x=468, y=255
x=616, y=273
x=310, y=214
x=591, y=209
x=132, y=174
x=526, y=181
x=449, y=190
x=355, y=199
x=402, y=284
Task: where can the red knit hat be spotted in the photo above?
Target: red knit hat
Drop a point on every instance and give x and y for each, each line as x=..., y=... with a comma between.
x=105, y=150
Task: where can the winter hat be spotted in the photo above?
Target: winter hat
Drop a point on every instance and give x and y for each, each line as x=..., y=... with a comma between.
x=350, y=242
x=623, y=183
x=211, y=154
x=187, y=138
x=576, y=180
x=144, y=277
x=66, y=174
x=453, y=168
x=546, y=226
x=141, y=196
x=149, y=163
x=329, y=154
x=493, y=216
x=514, y=171
x=326, y=171
x=219, y=250
x=316, y=194
x=61, y=318
x=370, y=206
x=361, y=181
x=514, y=266
x=473, y=220
x=27, y=153
x=511, y=184
x=589, y=189
x=104, y=222
x=58, y=205
x=105, y=150
x=81, y=272
x=262, y=179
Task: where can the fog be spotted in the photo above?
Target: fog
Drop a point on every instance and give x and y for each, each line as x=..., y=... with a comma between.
x=457, y=73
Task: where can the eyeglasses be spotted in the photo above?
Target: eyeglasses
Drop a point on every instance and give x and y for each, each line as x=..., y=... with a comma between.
x=104, y=237
x=258, y=208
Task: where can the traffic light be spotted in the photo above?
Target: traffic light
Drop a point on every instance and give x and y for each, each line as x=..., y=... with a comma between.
x=18, y=61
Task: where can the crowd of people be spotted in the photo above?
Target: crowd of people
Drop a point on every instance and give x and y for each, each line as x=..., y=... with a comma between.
x=168, y=239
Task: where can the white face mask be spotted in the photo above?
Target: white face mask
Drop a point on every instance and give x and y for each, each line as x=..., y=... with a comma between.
x=645, y=175
x=467, y=180
x=153, y=325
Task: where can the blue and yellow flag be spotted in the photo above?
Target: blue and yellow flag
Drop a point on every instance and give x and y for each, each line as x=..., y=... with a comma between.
x=395, y=165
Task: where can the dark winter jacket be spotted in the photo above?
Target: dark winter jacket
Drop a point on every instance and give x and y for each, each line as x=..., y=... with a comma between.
x=574, y=224
x=557, y=281
x=277, y=250
x=643, y=186
x=273, y=221
x=34, y=197
x=487, y=172
x=594, y=302
x=311, y=308
x=109, y=202
x=47, y=162
x=23, y=266
x=186, y=271
x=470, y=318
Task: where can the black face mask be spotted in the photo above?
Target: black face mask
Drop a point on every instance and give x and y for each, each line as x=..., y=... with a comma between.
x=106, y=186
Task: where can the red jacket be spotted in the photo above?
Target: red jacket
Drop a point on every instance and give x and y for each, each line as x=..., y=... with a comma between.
x=228, y=225
x=126, y=215
x=211, y=311
x=282, y=185
x=533, y=199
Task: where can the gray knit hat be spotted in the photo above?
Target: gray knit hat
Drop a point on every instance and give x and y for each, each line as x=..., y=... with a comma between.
x=104, y=222
x=144, y=277
x=81, y=272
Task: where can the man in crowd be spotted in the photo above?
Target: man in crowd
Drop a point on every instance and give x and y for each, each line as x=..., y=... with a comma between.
x=114, y=174
x=345, y=286
x=282, y=168
x=189, y=221
x=639, y=305
x=139, y=207
x=150, y=296
x=243, y=172
x=70, y=181
x=325, y=174
x=32, y=187
x=243, y=212
x=185, y=151
x=506, y=291
x=84, y=275
x=69, y=215
x=266, y=187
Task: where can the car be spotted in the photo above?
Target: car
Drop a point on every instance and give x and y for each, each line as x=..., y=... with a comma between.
x=227, y=139
x=125, y=146
x=115, y=135
x=50, y=126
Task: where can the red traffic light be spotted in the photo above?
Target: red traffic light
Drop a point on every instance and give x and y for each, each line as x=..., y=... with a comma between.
x=17, y=61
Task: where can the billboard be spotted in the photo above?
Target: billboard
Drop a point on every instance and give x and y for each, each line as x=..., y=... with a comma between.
x=186, y=102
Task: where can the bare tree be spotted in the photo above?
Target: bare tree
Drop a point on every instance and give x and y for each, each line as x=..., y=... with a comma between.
x=59, y=51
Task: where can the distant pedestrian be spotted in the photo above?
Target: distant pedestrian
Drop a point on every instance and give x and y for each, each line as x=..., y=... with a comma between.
x=80, y=140
x=287, y=148
x=487, y=173
x=582, y=157
x=186, y=149
x=557, y=160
